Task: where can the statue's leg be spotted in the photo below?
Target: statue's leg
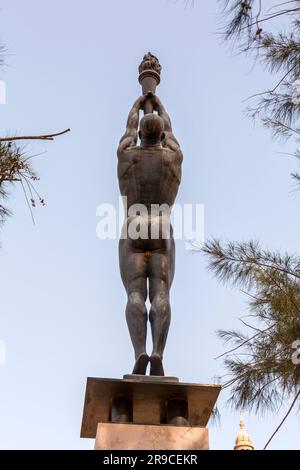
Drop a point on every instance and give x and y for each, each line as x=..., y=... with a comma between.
x=133, y=267
x=161, y=273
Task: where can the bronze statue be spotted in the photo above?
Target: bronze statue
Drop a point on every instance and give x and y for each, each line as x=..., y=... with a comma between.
x=149, y=174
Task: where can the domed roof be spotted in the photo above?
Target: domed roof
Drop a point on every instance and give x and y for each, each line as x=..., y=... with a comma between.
x=243, y=440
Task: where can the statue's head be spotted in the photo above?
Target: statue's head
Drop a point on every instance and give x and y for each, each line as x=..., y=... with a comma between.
x=151, y=129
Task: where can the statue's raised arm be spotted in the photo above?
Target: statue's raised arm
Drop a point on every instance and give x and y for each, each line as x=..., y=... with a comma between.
x=129, y=139
x=169, y=139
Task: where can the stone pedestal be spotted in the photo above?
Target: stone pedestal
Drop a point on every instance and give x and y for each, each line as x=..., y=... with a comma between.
x=112, y=436
x=141, y=412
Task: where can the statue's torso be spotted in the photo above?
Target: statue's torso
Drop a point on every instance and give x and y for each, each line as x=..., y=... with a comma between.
x=149, y=175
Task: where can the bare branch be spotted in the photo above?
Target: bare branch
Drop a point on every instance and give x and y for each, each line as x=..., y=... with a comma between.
x=283, y=420
x=37, y=137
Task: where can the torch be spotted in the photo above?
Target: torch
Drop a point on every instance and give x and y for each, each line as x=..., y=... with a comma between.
x=149, y=78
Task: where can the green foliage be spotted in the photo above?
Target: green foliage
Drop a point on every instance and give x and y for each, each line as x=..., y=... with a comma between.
x=261, y=373
x=15, y=167
x=255, y=28
x=240, y=17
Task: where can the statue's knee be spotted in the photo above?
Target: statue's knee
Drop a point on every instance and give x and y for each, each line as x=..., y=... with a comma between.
x=136, y=300
x=161, y=298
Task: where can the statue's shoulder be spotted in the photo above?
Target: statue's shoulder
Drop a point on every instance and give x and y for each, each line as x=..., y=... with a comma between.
x=128, y=152
x=173, y=154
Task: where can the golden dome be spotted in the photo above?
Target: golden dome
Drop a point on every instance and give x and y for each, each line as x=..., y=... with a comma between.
x=243, y=440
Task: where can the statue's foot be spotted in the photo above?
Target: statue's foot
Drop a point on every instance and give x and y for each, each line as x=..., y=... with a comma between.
x=156, y=365
x=141, y=364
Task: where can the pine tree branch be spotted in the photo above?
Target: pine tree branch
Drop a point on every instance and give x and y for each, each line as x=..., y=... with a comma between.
x=269, y=92
x=244, y=342
x=270, y=17
x=226, y=260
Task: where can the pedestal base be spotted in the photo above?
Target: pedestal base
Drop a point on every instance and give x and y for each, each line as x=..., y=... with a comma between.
x=149, y=413
x=112, y=436
x=146, y=402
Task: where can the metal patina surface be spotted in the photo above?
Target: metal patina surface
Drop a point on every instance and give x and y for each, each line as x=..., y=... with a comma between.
x=149, y=173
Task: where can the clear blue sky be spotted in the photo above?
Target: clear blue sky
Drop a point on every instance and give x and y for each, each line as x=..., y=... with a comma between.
x=74, y=64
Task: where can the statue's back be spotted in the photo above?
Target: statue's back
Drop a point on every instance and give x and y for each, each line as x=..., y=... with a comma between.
x=149, y=175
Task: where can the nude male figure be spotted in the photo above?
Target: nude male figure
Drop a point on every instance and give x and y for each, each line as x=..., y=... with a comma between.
x=148, y=173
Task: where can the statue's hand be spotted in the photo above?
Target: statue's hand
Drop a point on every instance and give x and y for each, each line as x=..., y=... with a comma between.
x=139, y=104
x=156, y=102
x=148, y=95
